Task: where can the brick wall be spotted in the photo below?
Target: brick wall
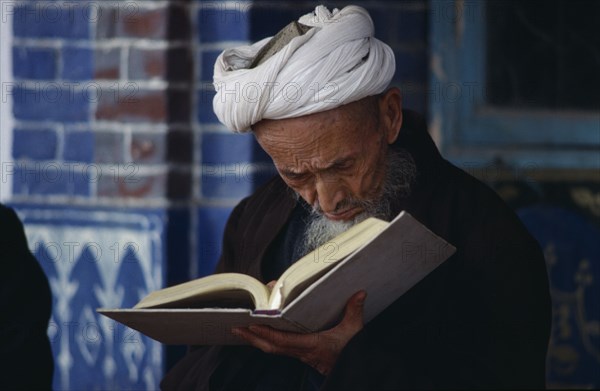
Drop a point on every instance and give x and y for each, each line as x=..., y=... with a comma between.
x=113, y=101
x=114, y=123
x=103, y=142
x=228, y=166
x=102, y=91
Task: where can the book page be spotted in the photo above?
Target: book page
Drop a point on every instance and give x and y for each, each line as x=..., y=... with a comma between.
x=225, y=290
x=313, y=265
x=385, y=268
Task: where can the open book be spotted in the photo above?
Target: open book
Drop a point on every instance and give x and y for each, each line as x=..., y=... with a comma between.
x=385, y=259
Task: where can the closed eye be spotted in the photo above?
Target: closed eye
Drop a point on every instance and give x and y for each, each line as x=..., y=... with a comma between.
x=345, y=165
x=294, y=176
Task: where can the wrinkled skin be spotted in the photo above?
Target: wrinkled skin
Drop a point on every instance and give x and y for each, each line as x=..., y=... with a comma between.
x=331, y=157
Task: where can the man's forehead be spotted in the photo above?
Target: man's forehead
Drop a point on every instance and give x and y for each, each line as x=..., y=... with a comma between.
x=308, y=142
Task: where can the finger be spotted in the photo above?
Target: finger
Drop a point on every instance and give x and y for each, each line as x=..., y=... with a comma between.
x=284, y=339
x=255, y=340
x=353, y=316
x=304, y=354
x=271, y=284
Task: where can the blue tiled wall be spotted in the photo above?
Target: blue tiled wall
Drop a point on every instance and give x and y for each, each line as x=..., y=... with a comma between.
x=32, y=63
x=52, y=20
x=98, y=258
x=219, y=23
x=73, y=147
x=77, y=63
x=229, y=148
x=65, y=153
x=211, y=223
x=52, y=101
x=206, y=59
x=79, y=146
x=49, y=179
x=34, y=144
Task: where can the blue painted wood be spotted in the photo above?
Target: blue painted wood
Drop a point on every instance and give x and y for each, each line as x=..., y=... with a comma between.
x=463, y=120
x=523, y=159
x=531, y=128
x=489, y=142
x=443, y=60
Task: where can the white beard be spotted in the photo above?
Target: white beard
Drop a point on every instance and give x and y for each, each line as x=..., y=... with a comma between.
x=321, y=230
x=401, y=173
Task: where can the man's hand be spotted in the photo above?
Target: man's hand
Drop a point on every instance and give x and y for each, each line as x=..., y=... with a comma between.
x=319, y=350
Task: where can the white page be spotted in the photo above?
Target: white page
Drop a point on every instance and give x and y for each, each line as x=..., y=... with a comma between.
x=386, y=268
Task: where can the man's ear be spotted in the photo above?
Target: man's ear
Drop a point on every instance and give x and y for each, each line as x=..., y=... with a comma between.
x=390, y=108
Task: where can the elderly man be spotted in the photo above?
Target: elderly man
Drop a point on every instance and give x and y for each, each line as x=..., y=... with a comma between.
x=345, y=150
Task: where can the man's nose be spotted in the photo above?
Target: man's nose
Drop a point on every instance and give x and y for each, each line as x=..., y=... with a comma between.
x=329, y=193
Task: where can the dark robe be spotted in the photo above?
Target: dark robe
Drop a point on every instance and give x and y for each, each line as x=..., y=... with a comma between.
x=480, y=320
x=25, y=305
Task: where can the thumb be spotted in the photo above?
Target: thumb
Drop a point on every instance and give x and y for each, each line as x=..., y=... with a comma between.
x=353, y=317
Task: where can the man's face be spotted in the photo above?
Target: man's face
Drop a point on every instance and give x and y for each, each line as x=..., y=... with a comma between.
x=331, y=159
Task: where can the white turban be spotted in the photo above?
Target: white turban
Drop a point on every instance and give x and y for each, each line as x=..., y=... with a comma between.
x=336, y=62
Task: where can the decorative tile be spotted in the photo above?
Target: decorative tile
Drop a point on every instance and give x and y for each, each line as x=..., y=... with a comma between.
x=96, y=258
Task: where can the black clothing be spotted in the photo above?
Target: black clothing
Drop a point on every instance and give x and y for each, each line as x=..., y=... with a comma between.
x=480, y=320
x=25, y=306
